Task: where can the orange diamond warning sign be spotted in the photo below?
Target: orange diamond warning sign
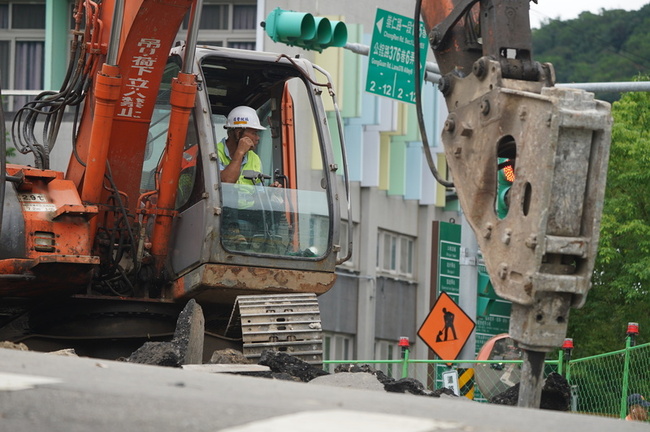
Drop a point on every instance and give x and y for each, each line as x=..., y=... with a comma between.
x=446, y=328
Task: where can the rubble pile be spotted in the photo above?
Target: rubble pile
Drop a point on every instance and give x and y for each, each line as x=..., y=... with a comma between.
x=556, y=394
x=14, y=346
x=229, y=356
x=284, y=364
x=402, y=385
x=351, y=376
x=158, y=354
x=185, y=348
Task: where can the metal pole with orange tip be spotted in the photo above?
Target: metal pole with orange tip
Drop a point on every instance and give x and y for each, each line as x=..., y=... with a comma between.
x=182, y=101
x=107, y=92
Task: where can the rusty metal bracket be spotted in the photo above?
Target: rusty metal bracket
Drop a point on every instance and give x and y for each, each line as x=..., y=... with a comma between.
x=541, y=254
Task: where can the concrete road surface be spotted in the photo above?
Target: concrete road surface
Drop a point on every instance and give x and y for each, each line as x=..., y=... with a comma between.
x=44, y=392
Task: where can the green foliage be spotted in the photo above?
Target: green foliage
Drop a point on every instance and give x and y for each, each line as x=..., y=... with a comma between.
x=621, y=282
x=612, y=46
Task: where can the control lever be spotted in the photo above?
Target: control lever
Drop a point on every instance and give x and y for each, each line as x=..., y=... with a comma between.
x=255, y=176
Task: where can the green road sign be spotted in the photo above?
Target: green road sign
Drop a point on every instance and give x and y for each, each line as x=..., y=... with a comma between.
x=391, y=62
x=448, y=257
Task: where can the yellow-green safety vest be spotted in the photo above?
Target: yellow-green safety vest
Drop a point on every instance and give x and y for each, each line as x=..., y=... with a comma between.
x=252, y=162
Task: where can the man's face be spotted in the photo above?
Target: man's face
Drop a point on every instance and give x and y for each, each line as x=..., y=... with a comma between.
x=252, y=134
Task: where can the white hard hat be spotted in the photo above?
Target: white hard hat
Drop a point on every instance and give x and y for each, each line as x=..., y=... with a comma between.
x=243, y=117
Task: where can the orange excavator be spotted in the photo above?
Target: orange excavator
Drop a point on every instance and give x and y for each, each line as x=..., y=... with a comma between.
x=103, y=256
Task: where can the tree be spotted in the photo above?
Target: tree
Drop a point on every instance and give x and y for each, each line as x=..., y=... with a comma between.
x=611, y=46
x=621, y=280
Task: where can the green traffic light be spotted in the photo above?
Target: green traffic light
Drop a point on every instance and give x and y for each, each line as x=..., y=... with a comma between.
x=486, y=294
x=505, y=178
x=329, y=34
x=303, y=30
x=288, y=26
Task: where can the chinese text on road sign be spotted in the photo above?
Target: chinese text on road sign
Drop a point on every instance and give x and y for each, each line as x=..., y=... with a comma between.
x=391, y=61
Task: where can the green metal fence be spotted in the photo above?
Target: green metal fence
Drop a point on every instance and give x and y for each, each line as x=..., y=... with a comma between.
x=600, y=385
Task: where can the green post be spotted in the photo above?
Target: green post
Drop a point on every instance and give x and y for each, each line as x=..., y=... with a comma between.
x=632, y=332
x=404, y=344
x=626, y=376
x=565, y=356
x=405, y=364
x=560, y=362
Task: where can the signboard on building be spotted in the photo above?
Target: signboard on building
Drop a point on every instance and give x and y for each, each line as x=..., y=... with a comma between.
x=391, y=60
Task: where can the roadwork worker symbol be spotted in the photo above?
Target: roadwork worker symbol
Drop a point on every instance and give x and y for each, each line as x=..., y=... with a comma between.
x=446, y=328
x=449, y=325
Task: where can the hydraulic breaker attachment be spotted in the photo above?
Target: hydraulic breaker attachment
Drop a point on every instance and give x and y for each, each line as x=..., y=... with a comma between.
x=538, y=231
x=541, y=254
x=539, y=250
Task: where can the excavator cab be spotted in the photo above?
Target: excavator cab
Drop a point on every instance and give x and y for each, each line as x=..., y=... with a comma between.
x=232, y=239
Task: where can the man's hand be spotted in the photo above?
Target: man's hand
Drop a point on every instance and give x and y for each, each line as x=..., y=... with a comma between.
x=244, y=145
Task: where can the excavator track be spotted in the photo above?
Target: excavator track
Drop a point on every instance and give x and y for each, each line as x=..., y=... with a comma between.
x=287, y=323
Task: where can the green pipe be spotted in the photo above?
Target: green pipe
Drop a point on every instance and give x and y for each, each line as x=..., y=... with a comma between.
x=405, y=363
x=549, y=362
x=621, y=351
x=361, y=361
x=626, y=377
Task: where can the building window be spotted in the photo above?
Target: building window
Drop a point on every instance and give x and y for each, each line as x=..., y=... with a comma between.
x=4, y=16
x=214, y=17
x=227, y=24
x=242, y=45
x=28, y=16
x=386, y=350
x=337, y=346
x=395, y=253
x=243, y=17
x=4, y=64
x=406, y=255
x=22, y=49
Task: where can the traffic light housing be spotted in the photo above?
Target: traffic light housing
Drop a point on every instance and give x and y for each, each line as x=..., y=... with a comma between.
x=506, y=176
x=486, y=295
x=304, y=30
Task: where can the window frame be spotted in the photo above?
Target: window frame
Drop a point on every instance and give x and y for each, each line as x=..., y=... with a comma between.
x=228, y=37
x=14, y=36
x=390, y=248
x=338, y=346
